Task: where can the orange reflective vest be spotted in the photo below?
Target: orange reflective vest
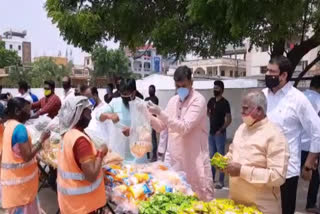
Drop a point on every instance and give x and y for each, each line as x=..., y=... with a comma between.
x=75, y=193
x=19, y=179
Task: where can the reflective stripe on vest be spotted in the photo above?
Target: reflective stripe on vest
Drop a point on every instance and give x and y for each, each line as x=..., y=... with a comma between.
x=17, y=165
x=71, y=175
x=80, y=190
x=11, y=182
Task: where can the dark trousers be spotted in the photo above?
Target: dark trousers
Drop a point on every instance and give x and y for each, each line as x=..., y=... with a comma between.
x=154, y=145
x=289, y=195
x=313, y=185
x=217, y=143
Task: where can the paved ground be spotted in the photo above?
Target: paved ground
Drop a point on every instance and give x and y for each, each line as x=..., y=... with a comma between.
x=48, y=198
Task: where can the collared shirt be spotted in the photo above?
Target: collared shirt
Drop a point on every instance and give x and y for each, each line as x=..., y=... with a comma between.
x=187, y=146
x=293, y=113
x=262, y=151
x=48, y=105
x=314, y=98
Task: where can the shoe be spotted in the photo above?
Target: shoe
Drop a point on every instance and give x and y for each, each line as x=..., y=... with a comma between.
x=218, y=186
x=313, y=210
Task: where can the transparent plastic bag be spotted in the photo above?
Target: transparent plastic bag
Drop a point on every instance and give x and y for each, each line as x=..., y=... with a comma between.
x=117, y=141
x=140, y=130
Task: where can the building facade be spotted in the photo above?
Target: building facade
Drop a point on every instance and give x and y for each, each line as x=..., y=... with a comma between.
x=16, y=41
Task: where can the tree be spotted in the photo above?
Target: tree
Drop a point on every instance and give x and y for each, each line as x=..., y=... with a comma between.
x=46, y=69
x=41, y=70
x=177, y=27
x=8, y=57
x=109, y=63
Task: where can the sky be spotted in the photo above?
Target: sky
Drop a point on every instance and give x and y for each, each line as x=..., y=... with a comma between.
x=44, y=36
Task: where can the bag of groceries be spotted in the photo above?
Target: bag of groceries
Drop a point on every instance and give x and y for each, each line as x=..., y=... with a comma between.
x=36, y=126
x=140, y=130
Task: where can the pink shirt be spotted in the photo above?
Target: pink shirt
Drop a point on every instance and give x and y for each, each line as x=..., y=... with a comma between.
x=187, y=148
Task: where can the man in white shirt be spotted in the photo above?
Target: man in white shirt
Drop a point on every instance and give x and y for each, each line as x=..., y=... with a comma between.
x=67, y=90
x=24, y=91
x=313, y=95
x=293, y=113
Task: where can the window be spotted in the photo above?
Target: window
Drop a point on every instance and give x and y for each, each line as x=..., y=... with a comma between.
x=10, y=46
x=88, y=61
x=147, y=65
x=236, y=74
x=263, y=69
x=19, y=47
x=244, y=73
x=231, y=73
x=264, y=48
x=222, y=73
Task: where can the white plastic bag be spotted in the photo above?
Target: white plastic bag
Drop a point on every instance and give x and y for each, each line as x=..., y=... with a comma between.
x=36, y=126
x=117, y=141
x=98, y=138
x=53, y=126
x=140, y=130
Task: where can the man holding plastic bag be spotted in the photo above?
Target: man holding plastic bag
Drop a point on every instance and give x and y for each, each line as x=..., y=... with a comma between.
x=185, y=118
x=126, y=136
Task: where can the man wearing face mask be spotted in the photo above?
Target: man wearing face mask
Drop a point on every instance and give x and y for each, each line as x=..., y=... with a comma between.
x=187, y=146
x=50, y=104
x=258, y=158
x=293, y=113
x=67, y=90
x=218, y=110
x=119, y=112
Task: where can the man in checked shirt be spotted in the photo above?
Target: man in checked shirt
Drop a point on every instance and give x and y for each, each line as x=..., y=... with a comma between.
x=50, y=104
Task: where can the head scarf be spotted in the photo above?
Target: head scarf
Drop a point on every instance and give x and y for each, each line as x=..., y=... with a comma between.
x=71, y=111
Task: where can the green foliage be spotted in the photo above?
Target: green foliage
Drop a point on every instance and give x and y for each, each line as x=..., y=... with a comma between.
x=41, y=70
x=8, y=57
x=46, y=69
x=109, y=63
x=178, y=27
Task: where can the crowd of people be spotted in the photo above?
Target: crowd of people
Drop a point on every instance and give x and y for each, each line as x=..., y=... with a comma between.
x=278, y=140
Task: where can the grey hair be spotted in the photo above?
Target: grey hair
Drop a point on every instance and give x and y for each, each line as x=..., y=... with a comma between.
x=258, y=99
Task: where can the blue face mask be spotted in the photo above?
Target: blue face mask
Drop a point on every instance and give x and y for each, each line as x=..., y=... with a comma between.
x=183, y=93
x=92, y=101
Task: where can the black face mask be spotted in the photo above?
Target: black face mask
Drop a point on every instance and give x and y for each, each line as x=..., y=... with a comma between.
x=151, y=93
x=126, y=101
x=66, y=85
x=216, y=93
x=272, y=81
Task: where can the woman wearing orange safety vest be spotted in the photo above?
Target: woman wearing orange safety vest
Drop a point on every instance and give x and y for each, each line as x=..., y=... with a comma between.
x=80, y=182
x=19, y=170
